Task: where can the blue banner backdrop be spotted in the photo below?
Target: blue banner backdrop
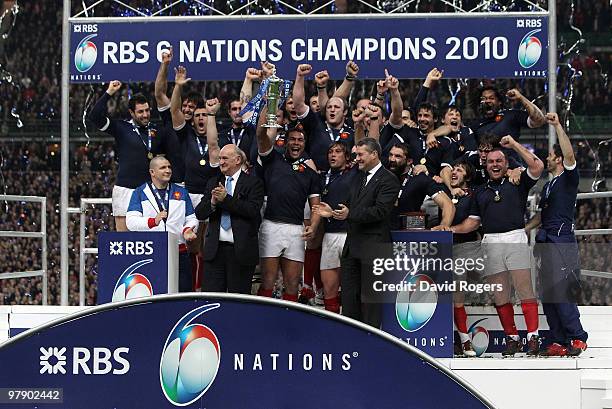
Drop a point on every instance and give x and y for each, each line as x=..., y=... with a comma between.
x=470, y=46
x=224, y=352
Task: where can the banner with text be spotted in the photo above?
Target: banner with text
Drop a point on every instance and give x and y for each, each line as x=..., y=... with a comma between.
x=221, y=352
x=223, y=48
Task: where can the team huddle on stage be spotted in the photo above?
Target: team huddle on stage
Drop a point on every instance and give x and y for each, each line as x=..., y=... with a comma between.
x=314, y=195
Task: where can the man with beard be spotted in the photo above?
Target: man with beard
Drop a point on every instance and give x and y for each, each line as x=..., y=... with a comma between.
x=321, y=133
x=367, y=212
x=500, y=207
x=176, y=151
x=558, y=250
x=137, y=141
x=335, y=187
x=289, y=182
x=414, y=189
x=465, y=247
x=201, y=150
x=494, y=119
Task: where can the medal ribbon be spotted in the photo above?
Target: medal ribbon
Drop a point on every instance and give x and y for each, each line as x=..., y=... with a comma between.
x=162, y=203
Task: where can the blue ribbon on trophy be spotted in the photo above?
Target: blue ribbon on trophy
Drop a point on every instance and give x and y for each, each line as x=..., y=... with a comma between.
x=256, y=103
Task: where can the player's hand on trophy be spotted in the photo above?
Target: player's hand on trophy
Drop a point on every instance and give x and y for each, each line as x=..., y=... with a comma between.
x=267, y=69
x=167, y=56
x=321, y=78
x=303, y=70
x=352, y=69
x=253, y=74
x=163, y=215
x=113, y=87
x=180, y=75
x=213, y=105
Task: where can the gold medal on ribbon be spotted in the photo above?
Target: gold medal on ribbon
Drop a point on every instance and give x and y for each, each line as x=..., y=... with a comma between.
x=455, y=200
x=497, y=197
x=150, y=155
x=202, y=162
x=295, y=166
x=423, y=161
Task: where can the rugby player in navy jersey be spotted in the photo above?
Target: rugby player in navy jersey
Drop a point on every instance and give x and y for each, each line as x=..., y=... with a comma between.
x=321, y=133
x=322, y=79
x=558, y=250
x=290, y=181
x=137, y=141
x=494, y=119
x=414, y=189
x=335, y=189
x=500, y=207
x=201, y=154
x=175, y=149
x=465, y=247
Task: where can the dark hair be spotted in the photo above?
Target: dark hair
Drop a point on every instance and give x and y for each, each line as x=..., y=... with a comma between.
x=233, y=99
x=429, y=107
x=498, y=94
x=558, y=151
x=371, y=145
x=343, y=146
x=469, y=169
x=137, y=99
x=195, y=97
x=451, y=108
x=498, y=149
x=295, y=130
x=489, y=138
x=404, y=147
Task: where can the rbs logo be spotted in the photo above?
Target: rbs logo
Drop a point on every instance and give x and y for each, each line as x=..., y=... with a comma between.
x=85, y=361
x=131, y=248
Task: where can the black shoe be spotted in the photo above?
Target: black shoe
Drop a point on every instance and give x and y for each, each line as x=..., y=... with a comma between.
x=512, y=347
x=533, y=346
x=457, y=350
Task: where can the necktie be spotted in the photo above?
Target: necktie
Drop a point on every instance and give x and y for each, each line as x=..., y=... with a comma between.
x=364, y=181
x=226, y=222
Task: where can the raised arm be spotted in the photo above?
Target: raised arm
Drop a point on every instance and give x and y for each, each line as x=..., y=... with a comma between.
x=397, y=106
x=246, y=92
x=321, y=79
x=534, y=165
x=344, y=90
x=381, y=90
x=212, y=137
x=375, y=115
x=359, y=123
x=180, y=79
x=98, y=114
x=161, y=81
x=264, y=135
x=569, y=159
x=432, y=78
x=299, y=95
x=536, y=117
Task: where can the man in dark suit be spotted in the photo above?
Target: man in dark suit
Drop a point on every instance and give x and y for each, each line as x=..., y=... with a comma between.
x=232, y=203
x=368, y=214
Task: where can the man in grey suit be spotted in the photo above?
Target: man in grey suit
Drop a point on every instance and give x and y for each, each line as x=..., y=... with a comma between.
x=368, y=214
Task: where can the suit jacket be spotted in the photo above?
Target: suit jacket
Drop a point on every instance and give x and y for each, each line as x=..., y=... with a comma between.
x=369, y=212
x=244, y=208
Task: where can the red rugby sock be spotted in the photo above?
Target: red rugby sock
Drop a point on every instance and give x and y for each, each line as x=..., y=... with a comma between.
x=530, y=311
x=506, y=316
x=460, y=317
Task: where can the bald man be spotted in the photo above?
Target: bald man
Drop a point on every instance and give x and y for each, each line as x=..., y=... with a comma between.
x=159, y=205
x=232, y=203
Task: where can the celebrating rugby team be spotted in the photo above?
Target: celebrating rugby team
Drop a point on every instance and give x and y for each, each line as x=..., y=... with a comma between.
x=309, y=196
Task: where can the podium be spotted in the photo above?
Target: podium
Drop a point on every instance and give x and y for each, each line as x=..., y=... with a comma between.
x=422, y=313
x=136, y=264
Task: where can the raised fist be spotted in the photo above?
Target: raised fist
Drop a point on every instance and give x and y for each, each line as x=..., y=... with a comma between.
x=267, y=69
x=113, y=87
x=303, y=70
x=321, y=78
x=253, y=74
x=552, y=118
x=167, y=56
x=514, y=95
x=352, y=68
x=213, y=105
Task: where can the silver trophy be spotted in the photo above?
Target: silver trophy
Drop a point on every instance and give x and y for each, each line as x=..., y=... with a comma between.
x=273, y=96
